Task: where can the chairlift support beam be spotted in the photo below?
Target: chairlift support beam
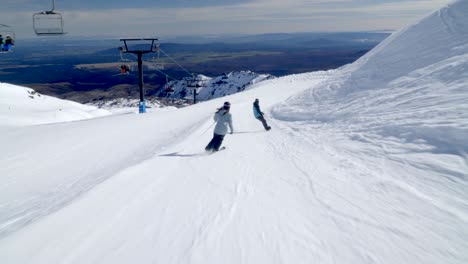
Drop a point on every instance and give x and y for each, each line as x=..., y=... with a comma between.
x=139, y=53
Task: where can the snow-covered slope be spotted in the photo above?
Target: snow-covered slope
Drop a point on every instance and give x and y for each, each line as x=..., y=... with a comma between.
x=438, y=37
x=412, y=86
x=348, y=174
x=24, y=106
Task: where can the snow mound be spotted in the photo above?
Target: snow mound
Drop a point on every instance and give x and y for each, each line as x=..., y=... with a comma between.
x=24, y=106
x=413, y=87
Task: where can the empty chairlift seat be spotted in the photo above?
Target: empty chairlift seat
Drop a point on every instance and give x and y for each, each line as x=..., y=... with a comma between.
x=48, y=23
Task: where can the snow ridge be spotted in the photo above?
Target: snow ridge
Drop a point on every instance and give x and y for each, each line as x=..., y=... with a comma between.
x=412, y=86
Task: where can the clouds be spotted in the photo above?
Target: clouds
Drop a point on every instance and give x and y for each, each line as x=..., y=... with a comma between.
x=180, y=17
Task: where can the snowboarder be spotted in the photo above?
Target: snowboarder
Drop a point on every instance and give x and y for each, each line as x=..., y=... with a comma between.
x=223, y=119
x=260, y=115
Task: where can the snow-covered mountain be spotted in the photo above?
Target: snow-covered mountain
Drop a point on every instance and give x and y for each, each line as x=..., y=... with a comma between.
x=180, y=93
x=208, y=88
x=364, y=164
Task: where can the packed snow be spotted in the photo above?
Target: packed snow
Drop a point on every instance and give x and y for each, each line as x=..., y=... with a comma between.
x=364, y=164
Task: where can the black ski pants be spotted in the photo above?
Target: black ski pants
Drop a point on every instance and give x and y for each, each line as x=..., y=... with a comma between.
x=215, y=143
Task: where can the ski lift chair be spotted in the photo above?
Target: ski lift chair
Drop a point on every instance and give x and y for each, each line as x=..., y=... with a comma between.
x=154, y=64
x=168, y=88
x=5, y=31
x=194, y=82
x=48, y=23
x=155, y=61
x=126, y=63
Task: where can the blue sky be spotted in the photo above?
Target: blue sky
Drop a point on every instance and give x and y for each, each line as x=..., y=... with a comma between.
x=121, y=18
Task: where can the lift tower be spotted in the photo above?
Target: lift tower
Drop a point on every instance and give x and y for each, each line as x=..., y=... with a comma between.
x=139, y=50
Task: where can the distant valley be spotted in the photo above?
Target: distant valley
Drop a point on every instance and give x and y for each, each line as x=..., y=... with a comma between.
x=86, y=70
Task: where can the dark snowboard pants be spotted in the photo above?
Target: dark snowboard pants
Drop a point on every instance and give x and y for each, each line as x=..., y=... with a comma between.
x=265, y=125
x=215, y=143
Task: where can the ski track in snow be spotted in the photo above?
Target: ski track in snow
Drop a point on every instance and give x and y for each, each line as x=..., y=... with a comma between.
x=18, y=213
x=373, y=182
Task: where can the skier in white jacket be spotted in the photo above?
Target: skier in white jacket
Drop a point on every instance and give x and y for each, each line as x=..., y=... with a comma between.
x=223, y=119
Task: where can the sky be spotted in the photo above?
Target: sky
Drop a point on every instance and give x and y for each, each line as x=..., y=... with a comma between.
x=364, y=164
x=146, y=18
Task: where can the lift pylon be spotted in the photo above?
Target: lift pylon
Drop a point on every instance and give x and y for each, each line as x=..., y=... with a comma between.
x=139, y=50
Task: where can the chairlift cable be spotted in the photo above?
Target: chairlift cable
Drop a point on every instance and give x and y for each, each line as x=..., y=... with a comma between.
x=176, y=62
x=167, y=75
x=158, y=70
x=173, y=60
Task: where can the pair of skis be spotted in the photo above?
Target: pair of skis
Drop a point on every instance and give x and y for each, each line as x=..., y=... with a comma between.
x=221, y=148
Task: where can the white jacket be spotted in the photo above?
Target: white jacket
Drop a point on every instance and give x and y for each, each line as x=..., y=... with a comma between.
x=223, y=119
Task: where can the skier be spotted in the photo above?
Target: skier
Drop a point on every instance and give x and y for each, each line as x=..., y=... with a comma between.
x=259, y=115
x=223, y=119
x=122, y=69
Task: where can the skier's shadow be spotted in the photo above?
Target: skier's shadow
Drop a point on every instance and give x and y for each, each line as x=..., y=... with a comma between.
x=248, y=132
x=177, y=154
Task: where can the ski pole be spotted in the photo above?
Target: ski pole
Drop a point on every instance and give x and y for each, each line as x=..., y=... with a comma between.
x=208, y=128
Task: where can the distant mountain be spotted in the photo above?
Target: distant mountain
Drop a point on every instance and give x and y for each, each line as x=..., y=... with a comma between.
x=208, y=88
x=285, y=39
x=180, y=93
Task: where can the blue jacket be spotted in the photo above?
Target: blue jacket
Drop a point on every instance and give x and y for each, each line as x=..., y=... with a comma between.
x=223, y=119
x=256, y=111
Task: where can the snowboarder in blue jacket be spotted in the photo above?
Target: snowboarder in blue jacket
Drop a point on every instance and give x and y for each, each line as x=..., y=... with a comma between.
x=260, y=115
x=223, y=119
